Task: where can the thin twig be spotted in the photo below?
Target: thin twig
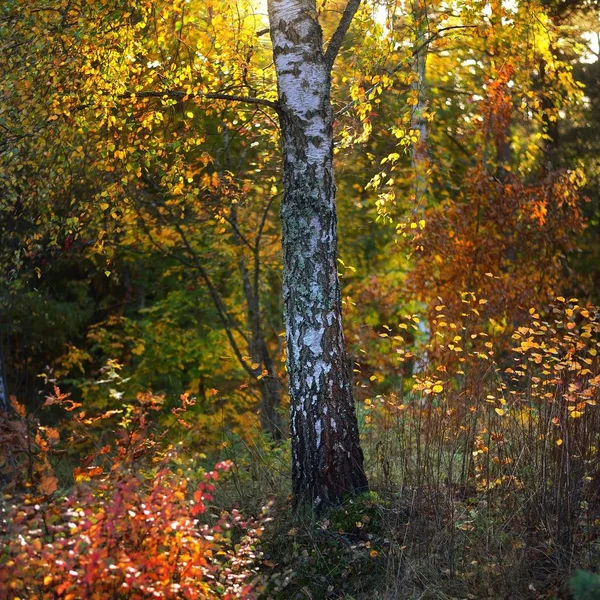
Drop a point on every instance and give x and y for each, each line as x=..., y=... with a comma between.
x=180, y=94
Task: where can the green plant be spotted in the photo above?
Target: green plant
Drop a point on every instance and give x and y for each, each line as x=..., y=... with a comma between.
x=585, y=586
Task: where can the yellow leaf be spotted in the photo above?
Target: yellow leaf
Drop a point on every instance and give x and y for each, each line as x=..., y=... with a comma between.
x=139, y=349
x=500, y=411
x=437, y=388
x=559, y=442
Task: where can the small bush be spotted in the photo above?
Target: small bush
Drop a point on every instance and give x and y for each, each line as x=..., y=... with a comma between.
x=585, y=586
x=134, y=525
x=126, y=537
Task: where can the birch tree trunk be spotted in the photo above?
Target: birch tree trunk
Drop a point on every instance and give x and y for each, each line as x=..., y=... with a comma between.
x=419, y=152
x=327, y=461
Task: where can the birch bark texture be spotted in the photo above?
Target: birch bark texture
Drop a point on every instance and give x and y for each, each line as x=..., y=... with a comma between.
x=327, y=461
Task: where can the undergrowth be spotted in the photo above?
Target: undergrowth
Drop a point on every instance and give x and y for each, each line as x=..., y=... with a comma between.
x=484, y=485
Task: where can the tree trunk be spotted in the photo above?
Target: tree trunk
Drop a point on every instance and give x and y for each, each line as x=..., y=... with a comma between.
x=268, y=382
x=270, y=401
x=266, y=374
x=419, y=151
x=327, y=461
x=4, y=404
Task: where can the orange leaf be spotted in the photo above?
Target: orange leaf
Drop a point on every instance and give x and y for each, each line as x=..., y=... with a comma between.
x=48, y=485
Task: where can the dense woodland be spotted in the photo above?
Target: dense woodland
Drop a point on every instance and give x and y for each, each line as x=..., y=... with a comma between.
x=299, y=299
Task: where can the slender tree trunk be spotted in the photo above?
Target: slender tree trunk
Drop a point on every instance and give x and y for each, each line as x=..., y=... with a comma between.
x=419, y=151
x=269, y=384
x=270, y=401
x=327, y=461
x=4, y=404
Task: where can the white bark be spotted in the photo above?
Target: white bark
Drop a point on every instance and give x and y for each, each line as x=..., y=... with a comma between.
x=327, y=462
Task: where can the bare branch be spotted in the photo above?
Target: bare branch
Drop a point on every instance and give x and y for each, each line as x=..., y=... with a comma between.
x=460, y=146
x=337, y=38
x=256, y=250
x=236, y=230
x=195, y=263
x=218, y=303
x=180, y=94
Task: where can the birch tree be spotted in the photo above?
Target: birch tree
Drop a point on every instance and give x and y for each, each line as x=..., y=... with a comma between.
x=327, y=461
x=139, y=81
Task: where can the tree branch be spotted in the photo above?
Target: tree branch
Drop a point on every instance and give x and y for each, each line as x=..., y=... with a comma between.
x=256, y=249
x=236, y=230
x=195, y=263
x=337, y=38
x=399, y=66
x=180, y=94
x=460, y=146
x=217, y=301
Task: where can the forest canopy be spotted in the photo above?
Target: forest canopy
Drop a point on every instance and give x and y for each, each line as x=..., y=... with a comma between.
x=299, y=299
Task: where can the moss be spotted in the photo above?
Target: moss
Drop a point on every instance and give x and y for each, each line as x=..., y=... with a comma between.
x=360, y=515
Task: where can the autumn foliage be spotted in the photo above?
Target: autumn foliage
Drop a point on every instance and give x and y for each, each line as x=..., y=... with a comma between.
x=144, y=405
x=504, y=237
x=142, y=528
x=129, y=538
x=503, y=240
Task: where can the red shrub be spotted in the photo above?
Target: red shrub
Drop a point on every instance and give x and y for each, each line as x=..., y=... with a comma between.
x=125, y=537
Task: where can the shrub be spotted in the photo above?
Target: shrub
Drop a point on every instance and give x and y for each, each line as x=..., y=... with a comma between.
x=135, y=525
x=126, y=537
x=585, y=586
